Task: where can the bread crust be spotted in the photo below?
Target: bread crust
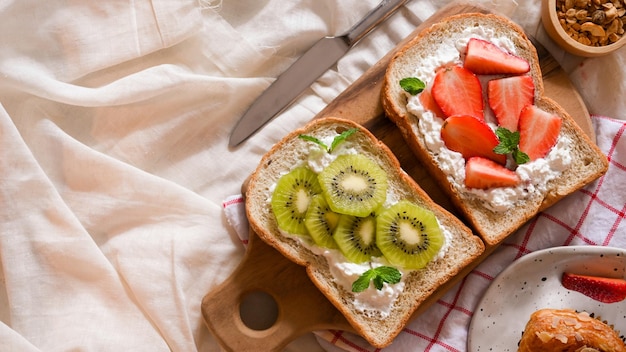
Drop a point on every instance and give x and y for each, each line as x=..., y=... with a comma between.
x=567, y=330
x=291, y=152
x=588, y=161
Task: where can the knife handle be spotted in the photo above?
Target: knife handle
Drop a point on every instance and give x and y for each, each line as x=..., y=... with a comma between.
x=385, y=9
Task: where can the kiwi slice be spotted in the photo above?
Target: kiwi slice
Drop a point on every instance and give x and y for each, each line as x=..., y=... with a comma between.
x=356, y=237
x=353, y=184
x=408, y=235
x=291, y=198
x=321, y=222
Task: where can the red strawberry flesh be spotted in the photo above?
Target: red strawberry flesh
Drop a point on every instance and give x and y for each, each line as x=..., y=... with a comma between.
x=539, y=131
x=457, y=91
x=427, y=101
x=485, y=58
x=470, y=137
x=602, y=289
x=508, y=96
x=484, y=173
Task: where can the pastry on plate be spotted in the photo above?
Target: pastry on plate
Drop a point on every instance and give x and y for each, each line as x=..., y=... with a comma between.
x=567, y=330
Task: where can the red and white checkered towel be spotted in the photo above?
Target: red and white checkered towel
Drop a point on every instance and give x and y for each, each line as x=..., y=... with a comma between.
x=593, y=216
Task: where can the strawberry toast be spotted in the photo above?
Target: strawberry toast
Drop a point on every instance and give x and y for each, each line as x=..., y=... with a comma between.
x=467, y=95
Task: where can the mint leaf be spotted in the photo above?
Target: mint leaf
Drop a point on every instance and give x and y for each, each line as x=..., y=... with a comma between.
x=363, y=282
x=509, y=144
x=341, y=137
x=508, y=141
x=412, y=85
x=378, y=282
x=314, y=140
x=503, y=149
x=336, y=141
x=389, y=274
x=379, y=275
x=520, y=157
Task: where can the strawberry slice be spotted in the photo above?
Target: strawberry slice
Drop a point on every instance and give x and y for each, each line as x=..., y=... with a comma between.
x=485, y=58
x=539, y=131
x=470, y=137
x=508, y=96
x=485, y=173
x=430, y=104
x=457, y=91
x=602, y=289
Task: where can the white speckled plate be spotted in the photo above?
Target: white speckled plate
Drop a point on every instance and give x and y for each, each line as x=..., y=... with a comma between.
x=534, y=282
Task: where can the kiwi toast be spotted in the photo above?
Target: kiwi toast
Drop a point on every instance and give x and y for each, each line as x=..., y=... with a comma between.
x=462, y=89
x=333, y=198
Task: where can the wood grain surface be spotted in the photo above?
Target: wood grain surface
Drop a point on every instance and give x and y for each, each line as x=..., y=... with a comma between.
x=301, y=307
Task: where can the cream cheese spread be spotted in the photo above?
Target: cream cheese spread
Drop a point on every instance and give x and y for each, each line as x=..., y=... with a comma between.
x=371, y=302
x=534, y=175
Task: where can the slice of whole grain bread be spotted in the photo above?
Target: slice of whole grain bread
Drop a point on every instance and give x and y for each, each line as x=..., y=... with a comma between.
x=379, y=330
x=588, y=162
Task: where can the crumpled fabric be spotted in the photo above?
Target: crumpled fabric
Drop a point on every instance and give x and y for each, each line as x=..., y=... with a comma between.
x=114, y=165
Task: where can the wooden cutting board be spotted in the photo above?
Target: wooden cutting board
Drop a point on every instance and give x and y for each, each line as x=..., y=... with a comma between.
x=299, y=306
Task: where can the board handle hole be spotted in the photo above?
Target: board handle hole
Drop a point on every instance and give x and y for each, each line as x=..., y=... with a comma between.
x=258, y=310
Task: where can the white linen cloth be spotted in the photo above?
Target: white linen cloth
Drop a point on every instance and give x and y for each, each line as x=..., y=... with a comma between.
x=114, y=122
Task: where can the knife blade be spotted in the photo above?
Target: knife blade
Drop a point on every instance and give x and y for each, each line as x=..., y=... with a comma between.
x=304, y=71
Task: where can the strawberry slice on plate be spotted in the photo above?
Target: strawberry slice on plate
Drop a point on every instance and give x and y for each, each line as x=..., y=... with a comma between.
x=508, y=96
x=485, y=58
x=457, y=91
x=470, y=137
x=485, y=173
x=539, y=131
x=602, y=289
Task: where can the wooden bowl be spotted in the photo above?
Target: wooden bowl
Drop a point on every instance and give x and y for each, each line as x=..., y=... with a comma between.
x=558, y=34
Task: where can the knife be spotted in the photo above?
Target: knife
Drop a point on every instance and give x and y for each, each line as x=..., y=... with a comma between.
x=302, y=73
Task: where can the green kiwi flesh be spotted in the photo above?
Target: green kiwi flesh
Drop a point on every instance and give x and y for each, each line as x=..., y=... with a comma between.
x=354, y=185
x=408, y=235
x=356, y=238
x=291, y=198
x=342, y=208
x=321, y=222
